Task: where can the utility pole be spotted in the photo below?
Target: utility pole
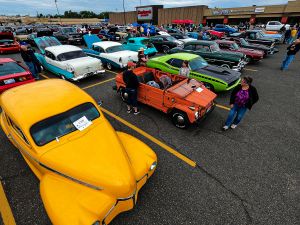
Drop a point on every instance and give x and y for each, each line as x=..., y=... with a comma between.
x=57, y=10
x=124, y=12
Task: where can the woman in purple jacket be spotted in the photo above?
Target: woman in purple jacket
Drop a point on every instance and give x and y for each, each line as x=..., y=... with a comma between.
x=243, y=97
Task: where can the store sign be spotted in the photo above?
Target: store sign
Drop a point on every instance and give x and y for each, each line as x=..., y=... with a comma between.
x=260, y=10
x=145, y=13
x=221, y=12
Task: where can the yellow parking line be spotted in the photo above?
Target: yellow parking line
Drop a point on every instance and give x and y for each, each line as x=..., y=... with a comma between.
x=111, y=71
x=151, y=138
x=222, y=107
x=251, y=70
x=101, y=82
x=43, y=75
x=5, y=210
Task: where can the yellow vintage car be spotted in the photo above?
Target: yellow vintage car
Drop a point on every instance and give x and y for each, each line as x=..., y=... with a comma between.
x=88, y=172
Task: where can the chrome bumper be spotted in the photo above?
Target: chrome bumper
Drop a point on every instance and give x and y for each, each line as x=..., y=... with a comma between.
x=87, y=75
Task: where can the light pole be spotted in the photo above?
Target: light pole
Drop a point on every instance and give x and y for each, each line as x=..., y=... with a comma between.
x=124, y=12
x=57, y=10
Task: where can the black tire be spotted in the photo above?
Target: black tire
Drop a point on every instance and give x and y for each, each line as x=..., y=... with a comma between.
x=209, y=86
x=180, y=119
x=165, y=49
x=109, y=66
x=122, y=94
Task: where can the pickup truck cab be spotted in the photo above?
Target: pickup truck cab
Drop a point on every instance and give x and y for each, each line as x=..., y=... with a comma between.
x=186, y=101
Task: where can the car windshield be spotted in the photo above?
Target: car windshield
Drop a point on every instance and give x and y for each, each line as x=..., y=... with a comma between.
x=170, y=38
x=197, y=63
x=215, y=47
x=244, y=42
x=10, y=68
x=234, y=46
x=53, y=128
x=71, y=55
x=116, y=48
x=69, y=30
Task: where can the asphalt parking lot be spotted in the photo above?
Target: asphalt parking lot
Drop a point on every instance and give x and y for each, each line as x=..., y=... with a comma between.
x=245, y=176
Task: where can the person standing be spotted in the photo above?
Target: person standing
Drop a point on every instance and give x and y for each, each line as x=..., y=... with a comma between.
x=243, y=97
x=294, y=34
x=132, y=84
x=148, y=32
x=185, y=70
x=31, y=61
x=290, y=55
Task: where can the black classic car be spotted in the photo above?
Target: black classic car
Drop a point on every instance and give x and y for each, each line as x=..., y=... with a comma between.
x=211, y=52
x=163, y=43
x=245, y=44
x=255, y=37
x=68, y=35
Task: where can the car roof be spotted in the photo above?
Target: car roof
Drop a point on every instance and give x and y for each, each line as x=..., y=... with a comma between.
x=201, y=42
x=6, y=60
x=106, y=44
x=30, y=103
x=56, y=50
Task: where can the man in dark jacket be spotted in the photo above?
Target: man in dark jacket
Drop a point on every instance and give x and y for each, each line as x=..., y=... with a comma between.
x=31, y=61
x=290, y=55
x=243, y=97
x=132, y=85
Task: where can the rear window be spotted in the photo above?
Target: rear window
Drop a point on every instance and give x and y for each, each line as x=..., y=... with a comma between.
x=10, y=68
x=62, y=124
x=71, y=55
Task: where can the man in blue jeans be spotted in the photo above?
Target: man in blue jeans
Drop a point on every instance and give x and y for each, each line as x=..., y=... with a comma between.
x=290, y=55
x=31, y=61
x=243, y=97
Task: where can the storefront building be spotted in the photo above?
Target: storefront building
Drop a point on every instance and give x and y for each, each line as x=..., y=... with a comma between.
x=156, y=14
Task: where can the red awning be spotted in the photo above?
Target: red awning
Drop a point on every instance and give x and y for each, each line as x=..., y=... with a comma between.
x=182, y=21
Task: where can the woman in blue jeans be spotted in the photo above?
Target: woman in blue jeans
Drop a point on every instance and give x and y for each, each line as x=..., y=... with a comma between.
x=243, y=97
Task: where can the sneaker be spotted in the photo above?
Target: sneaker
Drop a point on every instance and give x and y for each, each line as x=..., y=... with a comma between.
x=128, y=111
x=233, y=126
x=225, y=128
x=137, y=112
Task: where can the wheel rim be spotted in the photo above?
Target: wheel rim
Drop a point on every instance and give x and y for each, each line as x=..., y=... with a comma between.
x=225, y=66
x=180, y=120
x=166, y=50
x=108, y=66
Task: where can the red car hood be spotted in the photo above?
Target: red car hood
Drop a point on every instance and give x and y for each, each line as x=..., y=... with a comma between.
x=7, y=36
x=251, y=52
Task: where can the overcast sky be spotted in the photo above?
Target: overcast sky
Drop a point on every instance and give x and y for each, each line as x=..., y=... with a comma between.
x=23, y=7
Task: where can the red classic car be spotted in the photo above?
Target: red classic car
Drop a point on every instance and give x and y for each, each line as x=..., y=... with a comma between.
x=216, y=34
x=186, y=100
x=13, y=74
x=251, y=54
x=8, y=43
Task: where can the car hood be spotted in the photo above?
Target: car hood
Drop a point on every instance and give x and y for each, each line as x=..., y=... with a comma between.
x=94, y=157
x=250, y=51
x=185, y=40
x=201, y=96
x=90, y=39
x=44, y=42
x=224, y=74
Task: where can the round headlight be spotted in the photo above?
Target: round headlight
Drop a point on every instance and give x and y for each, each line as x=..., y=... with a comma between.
x=153, y=166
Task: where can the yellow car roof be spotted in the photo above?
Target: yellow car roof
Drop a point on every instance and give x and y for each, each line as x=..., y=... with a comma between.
x=31, y=103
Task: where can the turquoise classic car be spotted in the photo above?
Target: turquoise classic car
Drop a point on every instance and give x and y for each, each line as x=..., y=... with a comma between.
x=134, y=44
x=66, y=61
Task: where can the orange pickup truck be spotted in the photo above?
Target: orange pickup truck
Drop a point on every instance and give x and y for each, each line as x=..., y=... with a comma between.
x=186, y=100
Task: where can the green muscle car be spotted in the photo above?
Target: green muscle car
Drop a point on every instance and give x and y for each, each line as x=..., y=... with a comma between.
x=215, y=78
x=211, y=52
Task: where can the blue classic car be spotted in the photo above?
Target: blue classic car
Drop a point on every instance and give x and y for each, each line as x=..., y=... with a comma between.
x=134, y=44
x=66, y=61
x=225, y=28
x=111, y=53
x=277, y=37
x=109, y=35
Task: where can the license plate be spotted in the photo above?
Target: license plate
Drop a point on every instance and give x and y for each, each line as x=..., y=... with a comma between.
x=9, y=81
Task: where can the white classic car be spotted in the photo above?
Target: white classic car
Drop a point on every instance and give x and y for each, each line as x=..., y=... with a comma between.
x=112, y=54
x=66, y=61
